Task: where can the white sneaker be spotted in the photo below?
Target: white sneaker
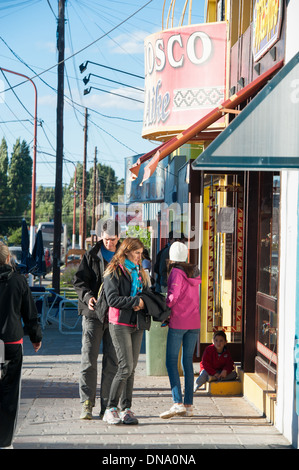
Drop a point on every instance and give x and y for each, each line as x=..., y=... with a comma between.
x=189, y=411
x=175, y=410
x=111, y=416
x=127, y=416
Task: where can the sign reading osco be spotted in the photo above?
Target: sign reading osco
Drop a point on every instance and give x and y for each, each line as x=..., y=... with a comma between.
x=184, y=77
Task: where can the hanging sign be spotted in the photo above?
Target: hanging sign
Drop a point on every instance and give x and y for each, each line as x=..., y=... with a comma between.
x=267, y=19
x=184, y=77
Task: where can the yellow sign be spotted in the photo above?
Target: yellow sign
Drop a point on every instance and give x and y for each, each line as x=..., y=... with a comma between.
x=266, y=25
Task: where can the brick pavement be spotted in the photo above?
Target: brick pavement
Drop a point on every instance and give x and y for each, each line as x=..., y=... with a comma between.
x=50, y=409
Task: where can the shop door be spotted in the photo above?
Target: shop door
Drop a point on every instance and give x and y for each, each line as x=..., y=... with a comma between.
x=267, y=277
x=222, y=257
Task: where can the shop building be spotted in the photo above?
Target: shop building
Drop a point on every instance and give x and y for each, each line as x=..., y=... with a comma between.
x=223, y=98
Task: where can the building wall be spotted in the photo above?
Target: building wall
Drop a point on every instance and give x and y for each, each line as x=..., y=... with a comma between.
x=286, y=417
x=286, y=420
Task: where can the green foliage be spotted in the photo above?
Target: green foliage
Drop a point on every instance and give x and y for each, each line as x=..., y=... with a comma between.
x=19, y=178
x=15, y=185
x=4, y=211
x=44, y=207
x=107, y=188
x=15, y=192
x=15, y=237
x=142, y=233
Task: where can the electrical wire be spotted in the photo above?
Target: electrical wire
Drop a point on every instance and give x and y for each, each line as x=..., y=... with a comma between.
x=85, y=47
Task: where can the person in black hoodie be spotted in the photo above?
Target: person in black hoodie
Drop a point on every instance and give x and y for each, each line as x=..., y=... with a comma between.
x=16, y=306
x=87, y=282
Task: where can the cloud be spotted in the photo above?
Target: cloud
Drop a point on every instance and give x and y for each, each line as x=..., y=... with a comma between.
x=99, y=100
x=50, y=47
x=47, y=100
x=128, y=44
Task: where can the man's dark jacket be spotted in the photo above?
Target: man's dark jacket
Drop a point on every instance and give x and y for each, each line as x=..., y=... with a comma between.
x=89, y=277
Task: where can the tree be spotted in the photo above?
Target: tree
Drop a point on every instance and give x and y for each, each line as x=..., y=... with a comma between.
x=44, y=204
x=19, y=180
x=4, y=211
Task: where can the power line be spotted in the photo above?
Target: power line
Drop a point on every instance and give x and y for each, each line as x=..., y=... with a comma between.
x=85, y=47
x=70, y=100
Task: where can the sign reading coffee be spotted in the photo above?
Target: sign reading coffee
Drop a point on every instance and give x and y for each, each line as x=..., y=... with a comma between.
x=184, y=77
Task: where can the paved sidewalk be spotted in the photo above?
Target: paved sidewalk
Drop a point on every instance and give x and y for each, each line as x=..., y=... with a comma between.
x=50, y=409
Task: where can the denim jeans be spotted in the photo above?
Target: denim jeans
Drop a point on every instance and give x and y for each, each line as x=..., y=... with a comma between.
x=176, y=338
x=93, y=332
x=127, y=342
x=204, y=377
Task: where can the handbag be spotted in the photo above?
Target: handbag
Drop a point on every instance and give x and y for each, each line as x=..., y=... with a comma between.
x=102, y=307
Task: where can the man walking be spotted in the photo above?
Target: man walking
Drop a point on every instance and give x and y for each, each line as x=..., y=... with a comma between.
x=87, y=282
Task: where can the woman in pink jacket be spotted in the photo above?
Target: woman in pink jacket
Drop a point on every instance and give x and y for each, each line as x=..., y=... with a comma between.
x=184, y=326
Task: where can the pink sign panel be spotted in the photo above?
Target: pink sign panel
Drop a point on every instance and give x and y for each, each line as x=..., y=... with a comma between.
x=185, y=71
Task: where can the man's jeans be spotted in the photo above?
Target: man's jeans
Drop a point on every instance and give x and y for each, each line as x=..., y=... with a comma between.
x=188, y=339
x=93, y=332
x=127, y=342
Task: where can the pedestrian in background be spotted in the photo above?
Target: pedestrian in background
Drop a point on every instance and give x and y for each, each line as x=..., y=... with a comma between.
x=16, y=306
x=160, y=267
x=184, y=327
x=87, y=282
x=124, y=281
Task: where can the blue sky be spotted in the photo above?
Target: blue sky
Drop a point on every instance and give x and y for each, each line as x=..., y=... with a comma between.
x=28, y=46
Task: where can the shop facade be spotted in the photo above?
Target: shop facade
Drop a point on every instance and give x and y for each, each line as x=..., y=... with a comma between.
x=239, y=187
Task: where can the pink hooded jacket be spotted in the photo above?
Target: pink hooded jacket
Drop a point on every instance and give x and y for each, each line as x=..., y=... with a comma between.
x=183, y=299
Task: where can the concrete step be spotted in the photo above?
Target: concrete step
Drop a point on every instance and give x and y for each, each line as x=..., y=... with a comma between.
x=229, y=388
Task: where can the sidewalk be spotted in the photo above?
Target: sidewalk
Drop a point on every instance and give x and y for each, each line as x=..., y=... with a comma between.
x=50, y=409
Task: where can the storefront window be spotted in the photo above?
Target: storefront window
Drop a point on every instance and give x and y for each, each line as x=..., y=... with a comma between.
x=268, y=269
x=223, y=252
x=267, y=336
x=269, y=235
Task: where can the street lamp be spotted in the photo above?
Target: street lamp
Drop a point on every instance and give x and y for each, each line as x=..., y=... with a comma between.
x=87, y=91
x=33, y=187
x=87, y=78
x=83, y=67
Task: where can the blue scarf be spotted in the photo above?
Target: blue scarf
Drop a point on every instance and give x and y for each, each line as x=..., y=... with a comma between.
x=136, y=277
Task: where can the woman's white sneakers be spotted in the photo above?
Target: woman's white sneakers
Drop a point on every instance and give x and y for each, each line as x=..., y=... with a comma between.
x=175, y=410
x=111, y=416
x=126, y=416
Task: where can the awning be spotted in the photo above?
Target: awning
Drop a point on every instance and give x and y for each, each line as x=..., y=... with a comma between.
x=265, y=135
x=185, y=136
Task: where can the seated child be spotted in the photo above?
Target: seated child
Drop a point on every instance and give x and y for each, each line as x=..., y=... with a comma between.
x=216, y=363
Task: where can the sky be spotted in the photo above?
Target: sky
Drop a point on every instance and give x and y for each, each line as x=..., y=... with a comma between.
x=105, y=33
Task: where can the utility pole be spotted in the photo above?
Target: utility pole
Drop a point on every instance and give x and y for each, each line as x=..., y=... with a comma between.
x=84, y=185
x=94, y=194
x=74, y=210
x=59, y=150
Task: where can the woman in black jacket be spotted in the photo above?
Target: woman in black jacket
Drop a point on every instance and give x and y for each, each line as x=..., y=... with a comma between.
x=124, y=281
x=16, y=305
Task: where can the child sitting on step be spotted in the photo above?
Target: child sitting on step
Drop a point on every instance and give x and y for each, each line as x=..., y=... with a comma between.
x=217, y=363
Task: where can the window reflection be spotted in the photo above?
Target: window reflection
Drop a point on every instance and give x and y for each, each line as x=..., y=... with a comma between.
x=269, y=234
